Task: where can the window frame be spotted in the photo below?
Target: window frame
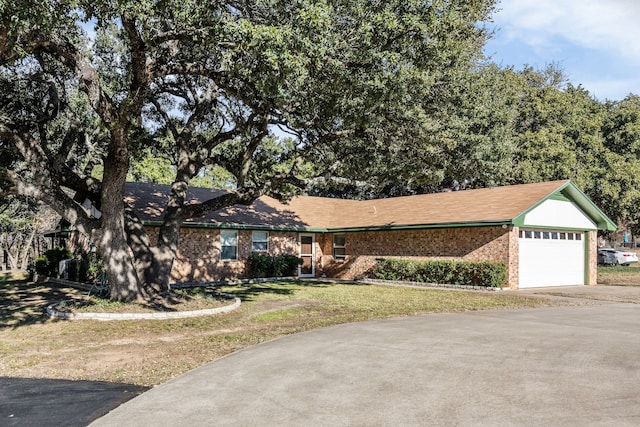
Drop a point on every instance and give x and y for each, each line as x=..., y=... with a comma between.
x=254, y=241
x=343, y=247
x=223, y=246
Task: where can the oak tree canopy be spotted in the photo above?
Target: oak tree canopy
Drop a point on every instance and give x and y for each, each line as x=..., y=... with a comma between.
x=87, y=86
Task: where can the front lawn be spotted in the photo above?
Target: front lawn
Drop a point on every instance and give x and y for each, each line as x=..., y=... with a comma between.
x=619, y=275
x=149, y=352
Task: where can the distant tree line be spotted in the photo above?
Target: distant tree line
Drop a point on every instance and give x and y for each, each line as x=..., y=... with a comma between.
x=510, y=127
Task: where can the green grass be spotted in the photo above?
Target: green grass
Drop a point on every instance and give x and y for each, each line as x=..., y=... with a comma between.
x=149, y=352
x=619, y=275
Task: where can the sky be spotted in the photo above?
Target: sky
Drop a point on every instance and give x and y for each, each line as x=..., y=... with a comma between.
x=595, y=42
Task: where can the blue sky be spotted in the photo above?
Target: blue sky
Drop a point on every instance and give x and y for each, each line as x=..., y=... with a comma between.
x=596, y=42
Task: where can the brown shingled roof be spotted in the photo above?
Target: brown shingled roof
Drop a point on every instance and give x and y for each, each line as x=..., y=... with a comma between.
x=499, y=204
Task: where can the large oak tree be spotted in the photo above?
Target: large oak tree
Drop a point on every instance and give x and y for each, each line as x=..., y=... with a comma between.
x=86, y=85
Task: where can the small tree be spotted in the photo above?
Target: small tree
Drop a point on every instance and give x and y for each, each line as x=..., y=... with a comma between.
x=22, y=224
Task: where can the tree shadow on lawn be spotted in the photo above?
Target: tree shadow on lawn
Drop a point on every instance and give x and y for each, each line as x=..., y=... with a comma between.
x=25, y=303
x=249, y=292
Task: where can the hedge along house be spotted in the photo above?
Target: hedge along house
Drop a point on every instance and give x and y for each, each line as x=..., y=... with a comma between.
x=545, y=233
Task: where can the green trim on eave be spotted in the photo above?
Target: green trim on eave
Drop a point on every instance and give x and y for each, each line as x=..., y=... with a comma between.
x=552, y=228
x=570, y=192
x=238, y=227
x=421, y=226
x=333, y=230
x=560, y=197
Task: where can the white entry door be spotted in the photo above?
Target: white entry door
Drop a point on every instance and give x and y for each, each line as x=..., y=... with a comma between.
x=308, y=255
x=551, y=258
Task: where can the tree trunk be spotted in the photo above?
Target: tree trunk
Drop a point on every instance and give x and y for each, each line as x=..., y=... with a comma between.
x=116, y=254
x=24, y=257
x=13, y=264
x=166, y=250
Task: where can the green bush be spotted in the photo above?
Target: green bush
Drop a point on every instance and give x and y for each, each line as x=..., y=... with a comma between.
x=286, y=265
x=47, y=263
x=461, y=273
x=41, y=265
x=265, y=265
x=91, y=268
x=260, y=265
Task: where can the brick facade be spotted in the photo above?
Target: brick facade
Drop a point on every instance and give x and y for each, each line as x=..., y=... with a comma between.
x=462, y=244
x=199, y=251
x=199, y=254
x=592, y=240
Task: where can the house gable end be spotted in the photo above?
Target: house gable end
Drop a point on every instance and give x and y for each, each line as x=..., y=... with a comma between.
x=558, y=214
x=566, y=207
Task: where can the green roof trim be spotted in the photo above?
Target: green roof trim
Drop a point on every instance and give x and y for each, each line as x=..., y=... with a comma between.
x=220, y=226
x=569, y=192
x=212, y=225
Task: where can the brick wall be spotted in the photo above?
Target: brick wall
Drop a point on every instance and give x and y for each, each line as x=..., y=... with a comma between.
x=514, y=260
x=464, y=244
x=199, y=251
x=592, y=277
x=199, y=254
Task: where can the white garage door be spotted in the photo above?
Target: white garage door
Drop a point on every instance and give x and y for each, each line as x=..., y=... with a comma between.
x=551, y=258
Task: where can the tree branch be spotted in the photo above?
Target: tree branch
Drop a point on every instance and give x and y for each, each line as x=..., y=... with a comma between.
x=140, y=82
x=228, y=199
x=88, y=76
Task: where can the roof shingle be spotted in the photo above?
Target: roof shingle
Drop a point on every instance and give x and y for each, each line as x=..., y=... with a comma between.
x=499, y=204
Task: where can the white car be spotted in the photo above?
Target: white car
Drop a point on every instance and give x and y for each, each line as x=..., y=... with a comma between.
x=610, y=256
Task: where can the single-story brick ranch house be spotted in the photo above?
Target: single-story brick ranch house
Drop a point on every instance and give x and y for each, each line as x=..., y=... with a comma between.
x=546, y=233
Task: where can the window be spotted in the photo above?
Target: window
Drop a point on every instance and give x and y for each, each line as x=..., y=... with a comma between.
x=228, y=244
x=260, y=241
x=550, y=235
x=339, y=249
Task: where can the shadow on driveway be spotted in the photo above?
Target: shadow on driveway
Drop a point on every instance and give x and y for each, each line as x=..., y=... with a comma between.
x=35, y=402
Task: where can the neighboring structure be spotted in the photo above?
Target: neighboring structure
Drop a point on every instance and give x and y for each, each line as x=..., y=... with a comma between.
x=546, y=233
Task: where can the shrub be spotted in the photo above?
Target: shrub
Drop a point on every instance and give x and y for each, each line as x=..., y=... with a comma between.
x=41, y=265
x=47, y=263
x=93, y=268
x=265, y=265
x=285, y=265
x=260, y=265
x=461, y=273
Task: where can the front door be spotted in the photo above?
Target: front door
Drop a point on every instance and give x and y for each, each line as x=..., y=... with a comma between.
x=307, y=253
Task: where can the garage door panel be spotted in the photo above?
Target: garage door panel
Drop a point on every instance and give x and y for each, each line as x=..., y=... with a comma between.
x=551, y=262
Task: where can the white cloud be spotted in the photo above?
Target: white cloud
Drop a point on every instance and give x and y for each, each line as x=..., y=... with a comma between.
x=596, y=42
x=613, y=89
x=604, y=25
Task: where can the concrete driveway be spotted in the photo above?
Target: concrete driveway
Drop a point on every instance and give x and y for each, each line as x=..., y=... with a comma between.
x=554, y=366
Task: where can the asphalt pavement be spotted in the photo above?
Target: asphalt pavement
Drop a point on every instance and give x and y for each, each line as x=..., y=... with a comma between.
x=553, y=366
x=51, y=402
